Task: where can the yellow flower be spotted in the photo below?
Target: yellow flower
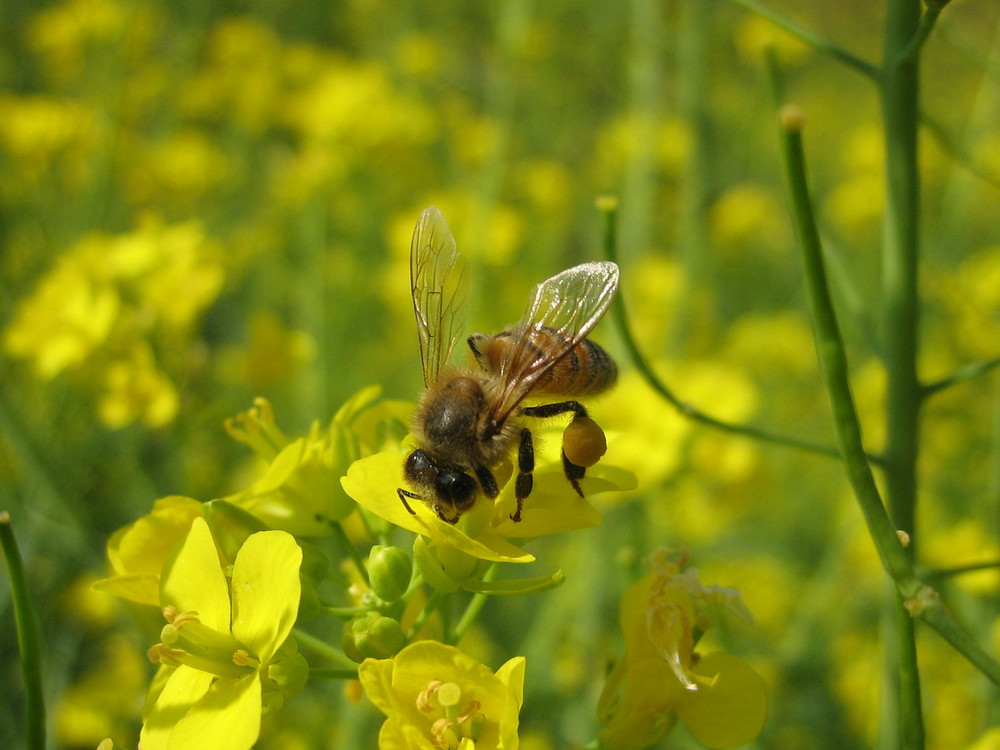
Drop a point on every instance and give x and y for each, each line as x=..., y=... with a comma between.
x=720, y=699
x=135, y=388
x=299, y=491
x=222, y=651
x=437, y=697
x=138, y=551
x=69, y=315
x=552, y=507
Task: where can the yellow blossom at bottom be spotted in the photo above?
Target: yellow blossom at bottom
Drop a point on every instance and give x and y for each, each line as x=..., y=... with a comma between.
x=720, y=699
x=437, y=697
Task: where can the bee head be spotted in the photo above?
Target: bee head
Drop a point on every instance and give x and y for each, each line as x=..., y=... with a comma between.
x=452, y=488
x=456, y=488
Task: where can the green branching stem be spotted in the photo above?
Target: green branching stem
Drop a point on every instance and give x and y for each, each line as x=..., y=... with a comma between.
x=968, y=372
x=28, y=639
x=609, y=211
x=810, y=37
x=940, y=574
x=833, y=360
x=900, y=97
x=918, y=599
x=916, y=43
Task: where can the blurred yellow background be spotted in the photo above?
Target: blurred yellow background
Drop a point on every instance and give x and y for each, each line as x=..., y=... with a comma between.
x=204, y=202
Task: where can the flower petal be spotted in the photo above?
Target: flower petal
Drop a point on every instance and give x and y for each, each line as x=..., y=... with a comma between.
x=194, y=581
x=372, y=482
x=376, y=678
x=728, y=711
x=553, y=506
x=226, y=718
x=266, y=591
x=183, y=688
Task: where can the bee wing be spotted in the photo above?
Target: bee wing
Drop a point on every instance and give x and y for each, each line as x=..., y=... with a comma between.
x=571, y=302
x=438, y=284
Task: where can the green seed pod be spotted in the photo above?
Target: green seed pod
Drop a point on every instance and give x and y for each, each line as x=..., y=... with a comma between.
x=389, y=570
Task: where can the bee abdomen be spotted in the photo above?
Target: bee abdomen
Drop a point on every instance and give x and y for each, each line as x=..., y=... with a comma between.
x=585, y=371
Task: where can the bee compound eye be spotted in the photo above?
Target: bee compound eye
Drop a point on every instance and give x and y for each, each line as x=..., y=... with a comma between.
x=584, y=442
x=419, y=469
x=458, y=488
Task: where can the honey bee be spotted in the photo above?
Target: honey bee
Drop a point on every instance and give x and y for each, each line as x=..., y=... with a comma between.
x=468, y=419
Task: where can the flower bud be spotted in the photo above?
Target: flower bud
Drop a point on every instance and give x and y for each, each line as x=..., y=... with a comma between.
x=584, y=442
x=431, y=568
x=389, y=570
x=372, y=635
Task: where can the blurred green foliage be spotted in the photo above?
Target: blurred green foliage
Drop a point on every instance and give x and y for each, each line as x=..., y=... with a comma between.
x=201, y=203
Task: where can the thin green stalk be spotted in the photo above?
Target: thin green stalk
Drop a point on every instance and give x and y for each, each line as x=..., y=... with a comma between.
x=433, y=602
x=900, y=99
x=322, y=648
x=918, y=600
x=350, y=549
x=927, y=22
x=694, y=196
x=833, y=360
x=28, y=639
x=810, y=37
x=473, y=609
x=833, y=364
x=938, y=574
x=344, y=613
x=323, y=673
x=960, y=375
x=609, y=211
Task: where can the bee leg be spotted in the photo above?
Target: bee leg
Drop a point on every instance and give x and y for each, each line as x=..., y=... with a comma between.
x=403, y=494
x=574, y=473
x=550, y=410
x=440, y=514
x=487, y=482
x=525, y=465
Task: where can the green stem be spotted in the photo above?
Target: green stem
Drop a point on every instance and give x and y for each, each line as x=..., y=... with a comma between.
x=350, y=549
x=927, y=21
x=344, y=613
x=693, y=63
x=323, y=673
x=609, y=210
x=810, y=37
x=833, y=364
x=28, y=639
x=433, y=602
x=938, y=574
x=321, y=648
x=916, y=599
x=833, y=360
x=959, y=639
x=960, y=375
x=473, y=609
x=900, y=262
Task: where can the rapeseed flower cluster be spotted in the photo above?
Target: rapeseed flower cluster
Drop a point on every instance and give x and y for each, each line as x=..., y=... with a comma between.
x=234, y=576
x=661, y=679
x=98, y=308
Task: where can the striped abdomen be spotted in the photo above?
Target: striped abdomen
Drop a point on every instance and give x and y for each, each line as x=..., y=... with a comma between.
x=585, y=370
